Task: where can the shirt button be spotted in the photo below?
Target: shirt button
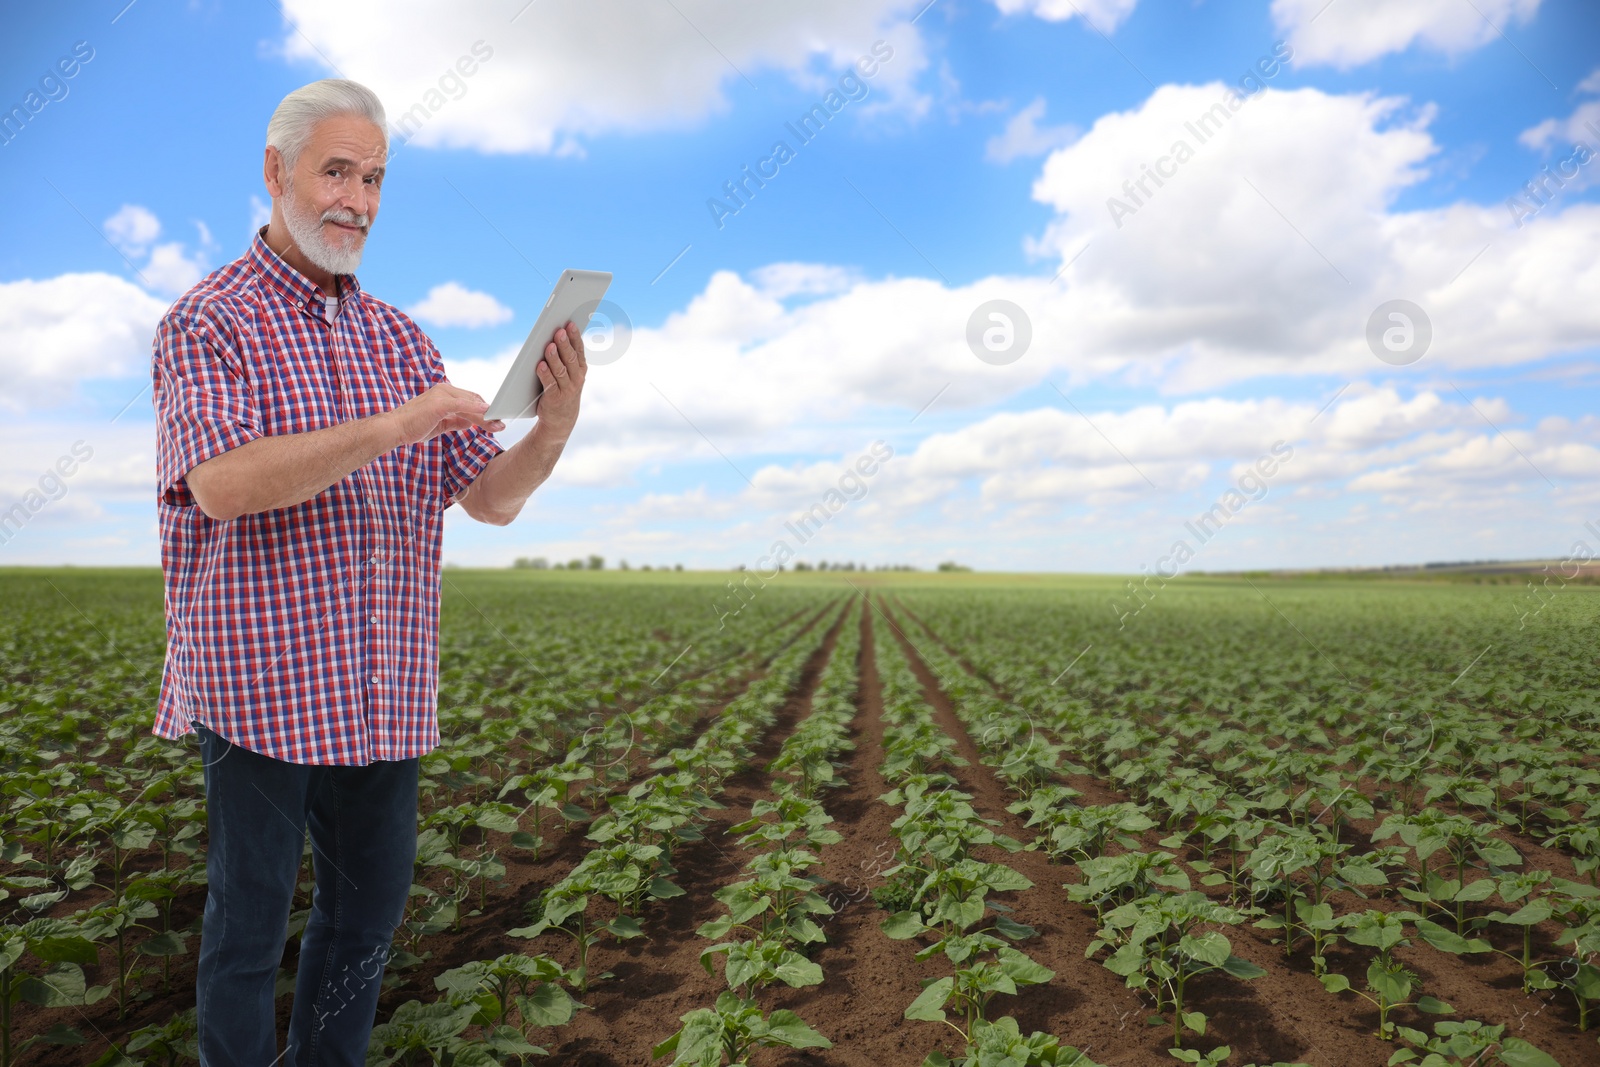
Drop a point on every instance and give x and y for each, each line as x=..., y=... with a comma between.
x=374, y=618
x=374, y=561
x=374, y=679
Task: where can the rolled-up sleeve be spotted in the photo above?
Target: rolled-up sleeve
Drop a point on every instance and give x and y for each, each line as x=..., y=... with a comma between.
x=203, y=403
x=466, y=453
x=462, y=453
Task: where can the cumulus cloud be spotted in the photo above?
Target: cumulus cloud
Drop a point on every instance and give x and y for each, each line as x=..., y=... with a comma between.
x=453, y=304
x=1023, y=136
x=1103, y=15
x=170, y=267
x=652, y=66
x=782, y=280
x=1224, y=235
x=1345, y=35
x=1574, y=142
x=1418, y=450
x=133, y=229
x=58, y=332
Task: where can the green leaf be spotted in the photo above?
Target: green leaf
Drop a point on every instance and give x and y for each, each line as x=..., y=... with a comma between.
x=60, y=987
x=625, y=926
x=1335, y=983
x=929, y=1006
x=1016, y=931
x=548, y=1005
x=1195, y=1021
x=1390, y=985
x=61, y=1034
x=1530, y=914
x=163, y=944
x=786, y=1028
x=903, y=925
x=1434, y=1006
x=1022, y=970
x=1243, y=968
x=795, y=971
x=1210, y=947
x=59, y=949
x=1518, y=1053
x=1446, y=940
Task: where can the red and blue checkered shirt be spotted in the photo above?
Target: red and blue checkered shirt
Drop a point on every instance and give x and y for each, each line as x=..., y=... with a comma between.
x=307, y=633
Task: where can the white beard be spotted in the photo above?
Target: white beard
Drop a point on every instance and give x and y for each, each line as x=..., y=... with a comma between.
x=306, y=229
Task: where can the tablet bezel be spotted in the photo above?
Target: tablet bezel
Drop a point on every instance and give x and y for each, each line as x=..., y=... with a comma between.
x=576, y=295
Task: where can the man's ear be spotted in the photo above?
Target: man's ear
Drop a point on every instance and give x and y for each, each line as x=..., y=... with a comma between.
x=272, y=171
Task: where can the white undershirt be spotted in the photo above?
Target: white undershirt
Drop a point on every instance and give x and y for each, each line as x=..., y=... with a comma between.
x=332, y=305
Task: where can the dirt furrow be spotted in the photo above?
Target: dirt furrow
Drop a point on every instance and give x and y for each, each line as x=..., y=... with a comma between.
x=1480, y=987
x=869, y=979
x=1100, y=1014
x=658, y=977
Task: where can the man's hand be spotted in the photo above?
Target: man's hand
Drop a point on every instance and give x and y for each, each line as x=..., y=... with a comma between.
x=441, y=409
x=561, y=372
x=503, y=486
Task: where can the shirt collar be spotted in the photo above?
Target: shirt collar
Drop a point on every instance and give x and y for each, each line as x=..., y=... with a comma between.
x=291, y=283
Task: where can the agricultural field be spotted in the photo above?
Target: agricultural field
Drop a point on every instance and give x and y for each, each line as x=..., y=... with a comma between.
x=875, y=819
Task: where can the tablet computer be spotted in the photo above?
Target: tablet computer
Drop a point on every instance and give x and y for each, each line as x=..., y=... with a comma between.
x=574, y=299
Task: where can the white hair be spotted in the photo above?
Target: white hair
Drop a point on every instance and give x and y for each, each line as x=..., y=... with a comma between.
x=298, y=114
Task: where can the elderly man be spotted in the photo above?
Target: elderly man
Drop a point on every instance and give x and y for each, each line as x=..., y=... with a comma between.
x=308, y=445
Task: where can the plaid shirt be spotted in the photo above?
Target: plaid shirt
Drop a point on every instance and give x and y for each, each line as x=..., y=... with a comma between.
x=307, y=633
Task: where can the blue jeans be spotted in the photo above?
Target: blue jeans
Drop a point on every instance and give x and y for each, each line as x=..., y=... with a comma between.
x=363, y=823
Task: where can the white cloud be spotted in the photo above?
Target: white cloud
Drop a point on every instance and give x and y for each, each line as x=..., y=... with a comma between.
x=72, y=328
x=1014, y=487
x=260, y=213
x=133, y=229
x=452, y=304
x=783, y=280
x=1023, y=136
x=1103, y=15
x=650, y=66
x=1265, y=247
x=1347, y=33
x=1574, y=144
x=171, y=267
x=110, y=462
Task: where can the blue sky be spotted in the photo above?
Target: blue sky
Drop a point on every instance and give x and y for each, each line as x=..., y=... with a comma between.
x=1172, y=345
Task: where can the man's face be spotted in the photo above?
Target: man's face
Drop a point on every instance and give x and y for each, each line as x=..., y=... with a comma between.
x=331, y=196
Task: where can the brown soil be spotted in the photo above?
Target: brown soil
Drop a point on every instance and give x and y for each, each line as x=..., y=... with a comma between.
x=659, y=977
x=1338, y=1030
x=1285, y=1016
x=479, y=937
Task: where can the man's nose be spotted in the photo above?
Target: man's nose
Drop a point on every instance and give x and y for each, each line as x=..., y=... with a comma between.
x=357, y=200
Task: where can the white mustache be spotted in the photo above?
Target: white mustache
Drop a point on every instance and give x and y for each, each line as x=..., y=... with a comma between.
x=346, y=217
